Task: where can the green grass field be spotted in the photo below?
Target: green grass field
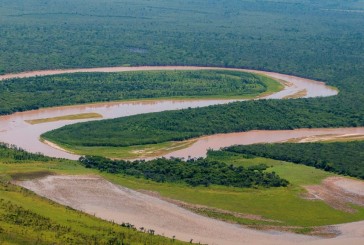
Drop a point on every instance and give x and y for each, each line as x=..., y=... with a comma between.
x=280, y=207
x=129, y=152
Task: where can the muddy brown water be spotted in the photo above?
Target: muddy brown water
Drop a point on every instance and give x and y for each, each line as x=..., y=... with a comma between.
x=14, y=129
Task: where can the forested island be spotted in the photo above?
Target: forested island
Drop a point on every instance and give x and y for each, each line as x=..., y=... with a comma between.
x=22, y=94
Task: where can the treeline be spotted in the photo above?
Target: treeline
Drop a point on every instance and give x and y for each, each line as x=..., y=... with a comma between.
x=343, y=158
x=234, y=117
x=12, y=153
x=68, y=89
x=193, y=172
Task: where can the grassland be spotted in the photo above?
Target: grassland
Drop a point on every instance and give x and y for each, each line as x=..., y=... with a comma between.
x=29, y=219
x=63, y=118
x=129, y=152
x=26, y=218
x=282, y=208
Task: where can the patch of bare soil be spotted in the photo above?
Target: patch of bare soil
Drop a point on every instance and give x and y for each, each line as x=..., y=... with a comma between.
x=98, y=197
x=299, y=94
x=338, y=192
x=329, y=138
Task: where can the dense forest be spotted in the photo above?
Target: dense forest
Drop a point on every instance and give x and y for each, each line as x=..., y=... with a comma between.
x=310, y=38
x=32, y=93
x=343, y=158
x=194, y=172
x=233, y=117
x=316, y=39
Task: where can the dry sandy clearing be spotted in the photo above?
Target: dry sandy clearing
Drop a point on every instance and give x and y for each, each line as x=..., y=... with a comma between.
x=338, y=192
x=95, y=195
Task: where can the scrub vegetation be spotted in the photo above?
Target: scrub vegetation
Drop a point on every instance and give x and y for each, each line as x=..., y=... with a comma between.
x=194, y=172
x=338, y=157
x=68, y=89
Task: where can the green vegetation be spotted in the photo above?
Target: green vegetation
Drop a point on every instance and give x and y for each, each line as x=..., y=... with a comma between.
x=284, y=205
x=188, y=123
x=11, y=154
x=343, y=158
x=67, y=117
x=279, y=207
x=316, y=39
x=194, y=172
x=130, y=152
x=26, y=218
x=35, y=92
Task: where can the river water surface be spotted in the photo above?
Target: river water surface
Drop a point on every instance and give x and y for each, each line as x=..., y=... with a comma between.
x=14, y=129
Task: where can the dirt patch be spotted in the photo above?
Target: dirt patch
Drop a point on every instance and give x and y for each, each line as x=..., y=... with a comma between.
x=329, y=138
x=103, y=199
x=51, y=144
x=299, y=94
x=98, y=197
x=338, y=192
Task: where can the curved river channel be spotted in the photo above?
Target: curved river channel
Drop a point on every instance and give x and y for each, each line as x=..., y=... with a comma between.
x=91, y=194
x=15, y=130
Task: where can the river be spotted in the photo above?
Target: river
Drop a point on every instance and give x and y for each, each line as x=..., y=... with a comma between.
x=15, y=130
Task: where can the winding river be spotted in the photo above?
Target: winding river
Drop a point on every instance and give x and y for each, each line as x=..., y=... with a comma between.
x=15, y=130
x=87, y=193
